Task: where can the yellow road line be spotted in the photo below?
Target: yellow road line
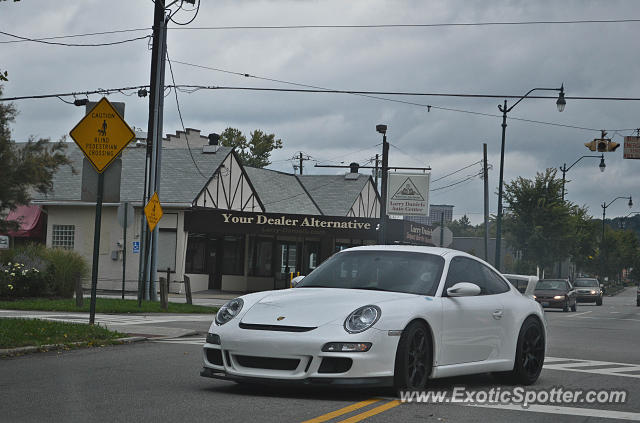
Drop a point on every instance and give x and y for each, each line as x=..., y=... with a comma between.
x=342, y=411
x=379, y=409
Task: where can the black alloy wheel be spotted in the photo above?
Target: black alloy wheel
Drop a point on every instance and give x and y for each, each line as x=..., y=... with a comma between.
x=413, y=358
x=529, y=354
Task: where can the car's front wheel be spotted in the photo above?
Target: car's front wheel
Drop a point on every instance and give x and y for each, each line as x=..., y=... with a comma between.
x=529, y=354
x=574, y=307
x=413, y=358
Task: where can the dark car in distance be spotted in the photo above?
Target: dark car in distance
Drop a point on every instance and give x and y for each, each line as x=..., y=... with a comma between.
x=556, y=293
x=588, y=290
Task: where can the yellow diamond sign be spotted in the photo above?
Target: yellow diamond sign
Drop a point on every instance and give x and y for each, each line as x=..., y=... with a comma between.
x=153, y=211
x=102, y=134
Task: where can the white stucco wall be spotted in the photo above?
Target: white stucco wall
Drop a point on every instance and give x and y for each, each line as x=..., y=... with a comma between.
x=111, y=239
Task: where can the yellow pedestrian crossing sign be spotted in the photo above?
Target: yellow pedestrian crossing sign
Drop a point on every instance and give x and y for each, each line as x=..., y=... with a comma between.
x=153, y=211
x=102, y=134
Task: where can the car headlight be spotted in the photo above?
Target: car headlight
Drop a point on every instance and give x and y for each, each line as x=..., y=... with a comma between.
x=229, y=311
x=558, y=297
x=362, y=319
x=593, y=291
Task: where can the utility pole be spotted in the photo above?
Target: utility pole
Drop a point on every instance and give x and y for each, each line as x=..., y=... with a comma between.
x=301, y=157
x=154, y=138
x=376, y=170
x=485, y=175
x=385, y=170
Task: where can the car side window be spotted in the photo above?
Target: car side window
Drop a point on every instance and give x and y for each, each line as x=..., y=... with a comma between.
x=463, y=269
x=460, y=270
x=493, y=282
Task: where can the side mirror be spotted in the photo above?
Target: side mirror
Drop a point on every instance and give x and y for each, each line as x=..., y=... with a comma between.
x=463, y=289
x=295, y=281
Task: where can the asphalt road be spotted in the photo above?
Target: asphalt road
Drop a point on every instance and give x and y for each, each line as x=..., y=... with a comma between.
x=159, y=381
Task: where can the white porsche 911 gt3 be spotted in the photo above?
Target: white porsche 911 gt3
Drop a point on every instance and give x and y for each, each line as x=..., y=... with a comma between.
x=385, y=316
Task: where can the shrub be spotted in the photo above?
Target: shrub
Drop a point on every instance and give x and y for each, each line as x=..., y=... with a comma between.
x=22, y=280
x=35, y=271
x=65, y=266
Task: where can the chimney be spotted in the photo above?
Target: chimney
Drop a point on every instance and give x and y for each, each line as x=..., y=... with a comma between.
x=213, y=146
x=353, y=175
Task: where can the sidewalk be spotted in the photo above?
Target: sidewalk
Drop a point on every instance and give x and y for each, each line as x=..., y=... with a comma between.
x=209, y=297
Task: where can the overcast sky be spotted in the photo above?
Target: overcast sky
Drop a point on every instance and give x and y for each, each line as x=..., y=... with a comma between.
x=594, y=59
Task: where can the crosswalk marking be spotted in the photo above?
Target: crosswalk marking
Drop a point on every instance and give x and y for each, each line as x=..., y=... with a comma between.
x=119, y=320
x=592, y=366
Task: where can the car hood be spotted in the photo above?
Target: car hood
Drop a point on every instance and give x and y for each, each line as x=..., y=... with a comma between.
x=313, y=307
x=549, y=292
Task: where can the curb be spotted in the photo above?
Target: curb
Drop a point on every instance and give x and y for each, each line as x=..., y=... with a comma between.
x=9, y=352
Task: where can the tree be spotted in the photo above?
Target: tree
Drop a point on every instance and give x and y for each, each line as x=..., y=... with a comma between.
x=254, y=152
x=540, y=226
x=26, y=167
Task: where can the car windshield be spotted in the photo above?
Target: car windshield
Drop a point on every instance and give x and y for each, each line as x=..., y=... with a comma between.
x=586, y=282
x=559, y=285
x=398, y=271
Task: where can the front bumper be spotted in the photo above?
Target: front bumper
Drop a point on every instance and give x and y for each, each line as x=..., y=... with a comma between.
x=588, y=298
x=266, y=356
x=551, y=303
x=310, y=381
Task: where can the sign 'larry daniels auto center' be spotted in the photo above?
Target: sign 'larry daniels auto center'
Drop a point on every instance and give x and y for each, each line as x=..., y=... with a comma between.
x=408, y=194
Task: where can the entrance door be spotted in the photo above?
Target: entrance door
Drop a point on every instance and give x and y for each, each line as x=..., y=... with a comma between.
x=287, y=259
x=215, y=252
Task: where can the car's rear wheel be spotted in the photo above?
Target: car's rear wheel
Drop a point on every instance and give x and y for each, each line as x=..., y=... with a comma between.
x=413, y=358
x=529, y=354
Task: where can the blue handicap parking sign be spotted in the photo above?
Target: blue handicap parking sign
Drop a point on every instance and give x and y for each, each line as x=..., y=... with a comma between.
x=136, y=247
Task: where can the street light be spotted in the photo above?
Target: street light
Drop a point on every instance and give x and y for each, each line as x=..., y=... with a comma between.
x=382, y=237
x=560, y=103
x=565, y=169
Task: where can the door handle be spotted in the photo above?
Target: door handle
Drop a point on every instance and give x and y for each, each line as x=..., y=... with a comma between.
x=497, y=314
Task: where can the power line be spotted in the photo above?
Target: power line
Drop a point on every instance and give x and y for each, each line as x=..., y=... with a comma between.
x=86, y=34
x=469, y=177
x=371, y=26
x=181, y=121
x=75, y=45
x=193, y=88
x=456, y=171
x=428, y=106
x=434, y=25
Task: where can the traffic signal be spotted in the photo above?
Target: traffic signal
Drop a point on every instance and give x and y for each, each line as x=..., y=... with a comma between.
x=602, y=144
x=611, y=146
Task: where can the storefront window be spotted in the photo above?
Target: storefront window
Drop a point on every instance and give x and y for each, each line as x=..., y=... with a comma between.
x=196, y=256
x=288, y=258
x=233, y=262
x=261, y=263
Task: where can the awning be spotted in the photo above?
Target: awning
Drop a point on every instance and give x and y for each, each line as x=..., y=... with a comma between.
x=30, y=221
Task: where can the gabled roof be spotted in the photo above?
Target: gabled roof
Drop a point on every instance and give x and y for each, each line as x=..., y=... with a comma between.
x=334, y=194
x=281, y=192
x=180, y=181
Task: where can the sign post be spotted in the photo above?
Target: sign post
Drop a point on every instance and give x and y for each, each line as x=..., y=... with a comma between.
x=101, y=135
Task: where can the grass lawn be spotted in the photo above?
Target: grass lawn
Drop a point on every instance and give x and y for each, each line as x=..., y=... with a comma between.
x=31, y=332
x=103, y=305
